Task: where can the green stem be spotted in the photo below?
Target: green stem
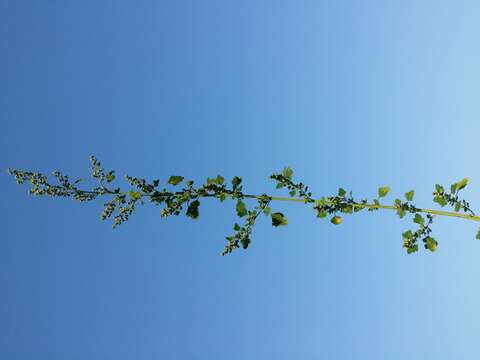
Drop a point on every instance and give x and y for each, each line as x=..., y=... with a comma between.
x=386, y=207
x=371, y=206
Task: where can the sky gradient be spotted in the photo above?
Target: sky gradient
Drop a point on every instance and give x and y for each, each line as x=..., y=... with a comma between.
x=347, y=93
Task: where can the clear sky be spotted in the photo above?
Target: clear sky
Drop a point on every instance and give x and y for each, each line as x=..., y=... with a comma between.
x=348, y=93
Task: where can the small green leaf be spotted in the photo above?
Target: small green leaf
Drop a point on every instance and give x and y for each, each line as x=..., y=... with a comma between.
x=236, y=181
x=321, y=214
x=439, y=189
x=241, y=208
x=383, y=191
x=287, y=172
x=478, y=234
x=78, y=180
x=175, y=180
x=222, y=197
x=292, y=193
x=192, y=210
x=156, y=182
x=408, y=235
x=418, y=219
x=236, y=227
x=458, y=206
x=220, y=179
x=110, y=177
x=413, y=249
x=430, y=244
x=341, y=192
x=401, y=213
x=453, y=188
x=440, y=200
x=461, y=184
x=278, y=219
x=266, y=210
x=409, y=195
x=347, y=209
x=134, y=195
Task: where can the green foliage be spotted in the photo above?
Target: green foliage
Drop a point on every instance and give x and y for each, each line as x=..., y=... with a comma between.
x=278, y=219
x=134, y=195
x=383, y=191
x=192, y=210
x=409, y=195
x=430, y=244
x=241, y=208
x=175, y=180
x=185, y=199
x=287, y=172
x=418, y=219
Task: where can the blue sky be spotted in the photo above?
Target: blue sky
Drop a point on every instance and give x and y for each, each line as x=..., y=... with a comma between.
x=348, y=93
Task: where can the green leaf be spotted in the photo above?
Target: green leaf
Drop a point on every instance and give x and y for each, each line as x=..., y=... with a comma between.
x=413, y=249
x=439, y=189
x=401, y=213
x=321, y=214
x=347, y=209
x=266, y=210
x=440, y=200
x=110, y=177
x=292, y=193
x=156, y=182
x=192, y=210
x=418, y=219
x=409, y=195
x=341, y=192
x=383, y=191
x=245, y=242
x=241, y=208
x=478, y=234
x=287, y=172
x=430, y=244
x=453, y=188
x=461, y=184
x=236, y=181
x=236, y=227
x=175, y=180
x=278, y=219
x=222, y=197
x=220, y=179
x=78, y=180
x=458, y=206
x=134, y=195
x=408, y=235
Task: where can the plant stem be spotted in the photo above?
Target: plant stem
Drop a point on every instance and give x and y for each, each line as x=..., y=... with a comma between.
x=385, y=207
